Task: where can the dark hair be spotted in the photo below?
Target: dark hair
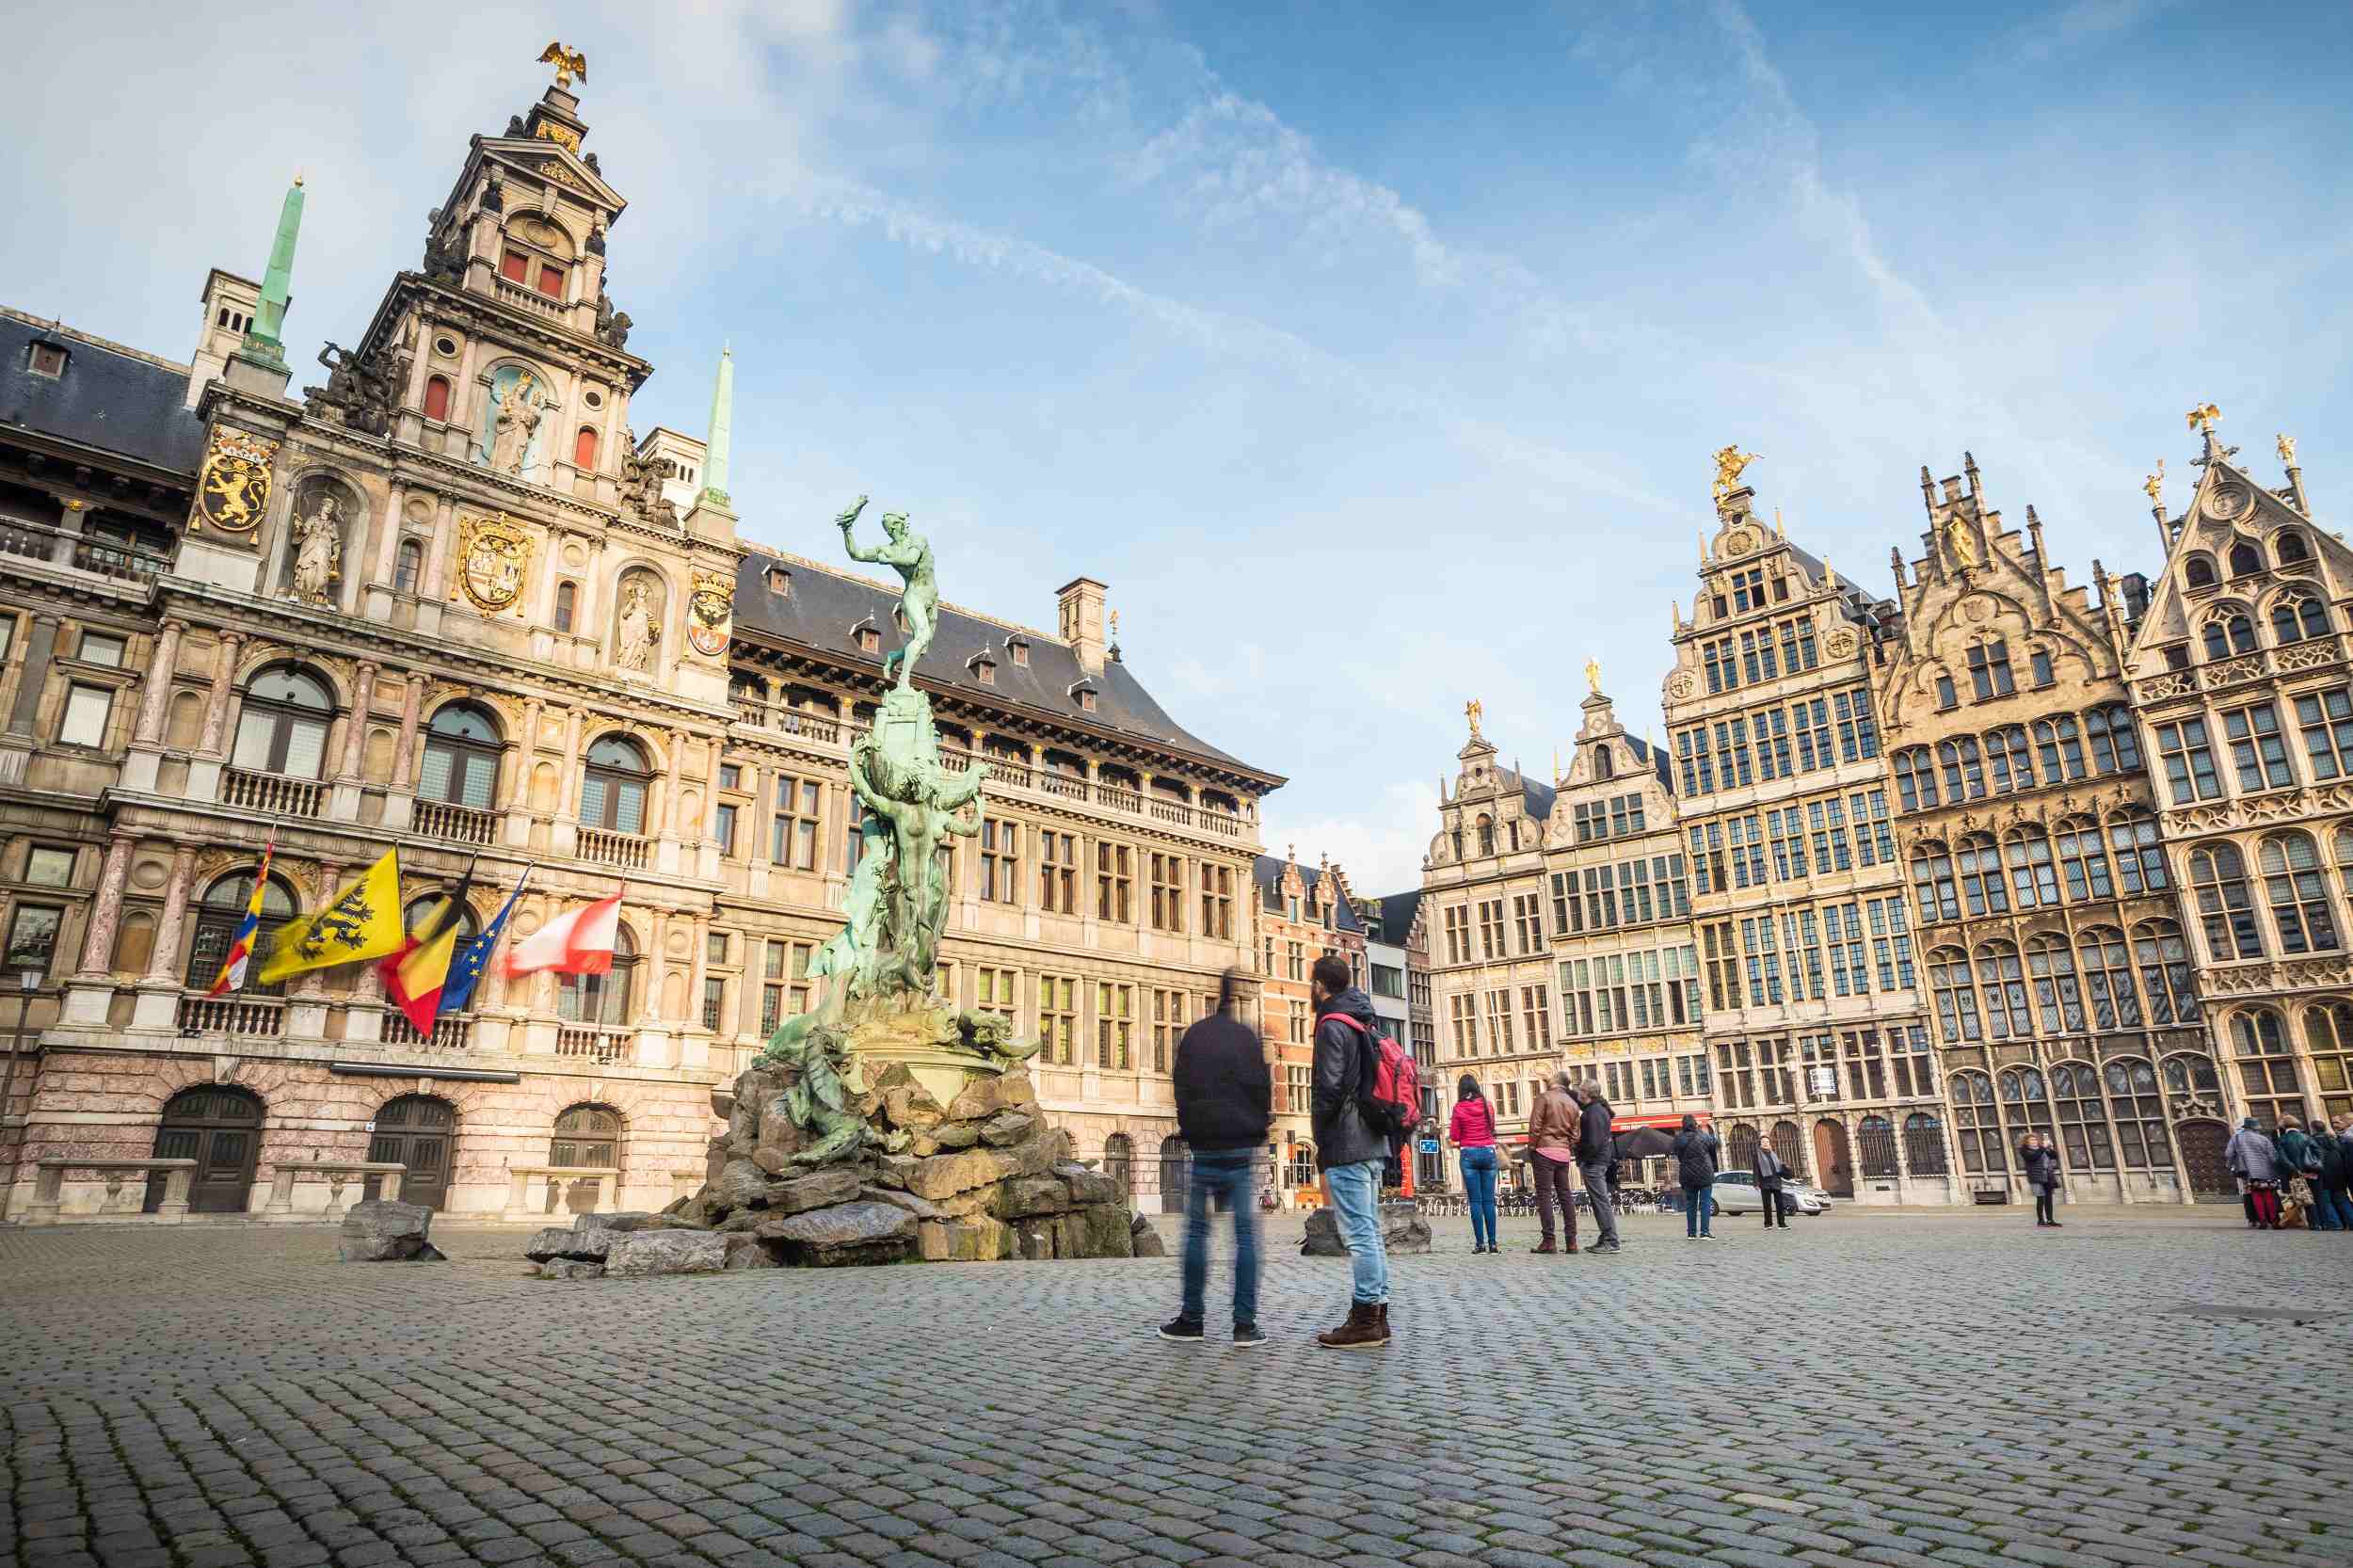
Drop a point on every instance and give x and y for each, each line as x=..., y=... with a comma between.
x=1690, y=1123
x=1331, y=972
x=1466, y=1088
x=1228, y=987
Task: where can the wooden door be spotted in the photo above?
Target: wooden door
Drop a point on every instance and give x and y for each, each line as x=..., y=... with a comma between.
x=2202, y=1155
x=1830, y=1158
x=416, y=1130
x=220, y=1129
x=1175, y=1175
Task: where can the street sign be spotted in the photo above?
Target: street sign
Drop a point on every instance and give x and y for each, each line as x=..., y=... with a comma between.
x=1427, y=1145
x=1825, y=1083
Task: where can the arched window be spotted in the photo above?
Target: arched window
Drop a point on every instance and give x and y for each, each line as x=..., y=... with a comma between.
x=2140, y=861
x=2009, y=758
x=612, y=789
x=1964, y=770
x=1742, y=1147
x=584, y=450
x=1955, y=998
x=2245, y=559
x=2033, y=879
x=407, y=565
x=1933, y=884
x=1486, y=836
x=2292, y=548
x=2163, y=957
x=2329, y=1036
x=2267, y=1073
x=2139, y=1113
x=2114, y=746
x=2228, y=633
x=1789, y=1146
x=2084, y=859
x=601, y=998
x=2004, y=983
x=461, y=757
x=218, y=914
x=1119, y=1163
x=1601, y=763
x=1875, y=1148
x=2298, y=894
x=587, y=1136
x=2057, y=991
x=566, y=604
x=2218, y=873
x=2061, y=744
x=1981, y=866
x=2108, y=976
x=2083, y=1124
x=2191, y=1077
x=282, y=729
x=428, y=906
x=2296, y=619
x=1977, y=1125
x=1923, y=1144
x=2025, y=1103
x=1915, y=778
x=436, y=397
x=2200, y=573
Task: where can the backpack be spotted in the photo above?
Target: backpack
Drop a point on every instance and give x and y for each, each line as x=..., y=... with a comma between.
x=1393, y=1104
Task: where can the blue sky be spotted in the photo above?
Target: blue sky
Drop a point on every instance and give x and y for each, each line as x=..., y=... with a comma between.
x=1372, y=355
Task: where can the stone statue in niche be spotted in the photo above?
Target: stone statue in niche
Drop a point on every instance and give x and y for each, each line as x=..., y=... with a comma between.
x=638, y=630
x=517, y=417
x=318, y=551
x=641, y=484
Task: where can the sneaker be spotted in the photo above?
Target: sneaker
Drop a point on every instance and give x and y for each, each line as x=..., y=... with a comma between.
x=1610, y=1247
x=1184, y=1330
x=1246, y=1336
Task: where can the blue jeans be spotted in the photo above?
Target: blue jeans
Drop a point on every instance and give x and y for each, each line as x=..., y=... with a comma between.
x=1225, y=1177
x=1699, y=1206
x=1356, y=1191
x=1478, y=1185
x=2331, y=1209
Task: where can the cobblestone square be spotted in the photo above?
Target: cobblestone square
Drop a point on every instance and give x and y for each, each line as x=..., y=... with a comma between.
x=1883, y=1388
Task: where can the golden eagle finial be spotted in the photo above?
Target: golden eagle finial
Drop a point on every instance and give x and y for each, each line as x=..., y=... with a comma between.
x=2204, y=416
x=569, y=63
x=2155, y=488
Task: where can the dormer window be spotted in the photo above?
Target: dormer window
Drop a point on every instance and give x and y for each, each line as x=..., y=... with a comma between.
x=868, y=638
x=2292, y=549
x=780, y=582
x=984, y=670
x=1020, y=649
x=2199, y=572
x=2246, y=560
x=47, y=359
x=1084, y=695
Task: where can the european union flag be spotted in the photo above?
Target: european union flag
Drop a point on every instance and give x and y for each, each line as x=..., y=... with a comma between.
x=465, y=970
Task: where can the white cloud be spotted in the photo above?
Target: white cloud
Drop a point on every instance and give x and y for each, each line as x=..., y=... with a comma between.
x=1380, y=849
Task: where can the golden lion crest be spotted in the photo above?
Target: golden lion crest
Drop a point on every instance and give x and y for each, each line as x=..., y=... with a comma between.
x=711, y=606
x=233, y=487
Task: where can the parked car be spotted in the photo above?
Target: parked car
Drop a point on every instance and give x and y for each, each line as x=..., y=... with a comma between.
x=1736, y=1194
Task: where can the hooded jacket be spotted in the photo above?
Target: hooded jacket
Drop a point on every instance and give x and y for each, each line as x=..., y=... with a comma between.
x=1593, y=1144
x=1225, y=1095
x=1343, y=1058
x=1695, y=1157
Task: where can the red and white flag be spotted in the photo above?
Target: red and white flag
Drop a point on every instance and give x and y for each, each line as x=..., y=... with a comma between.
x=580, y=942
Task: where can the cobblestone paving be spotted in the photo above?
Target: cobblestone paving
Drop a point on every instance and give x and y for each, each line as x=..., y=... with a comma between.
x=1956, y=1390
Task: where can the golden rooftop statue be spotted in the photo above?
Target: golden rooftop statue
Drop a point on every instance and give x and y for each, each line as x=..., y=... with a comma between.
x=2287, y=450
x=1729, y=462
x=2204, y=416
x=1474, y=712
x=1592, y=675
x=569, y=63
x=2155, y=486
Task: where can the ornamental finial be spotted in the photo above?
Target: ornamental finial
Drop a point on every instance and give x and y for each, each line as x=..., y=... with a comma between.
x=2155, y=488
x=569, y=63
x=1729, y=462
x=1474, y=711
x=2287, y=450
x=2204, y=416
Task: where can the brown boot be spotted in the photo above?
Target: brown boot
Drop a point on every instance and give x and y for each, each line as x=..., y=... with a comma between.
x=1360, y=1332
x=1383, y=1310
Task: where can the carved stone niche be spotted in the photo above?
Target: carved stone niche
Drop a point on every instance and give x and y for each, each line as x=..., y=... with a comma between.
x=321, y=529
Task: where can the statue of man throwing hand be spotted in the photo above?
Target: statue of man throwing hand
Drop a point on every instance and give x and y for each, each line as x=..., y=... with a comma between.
x=910, y=554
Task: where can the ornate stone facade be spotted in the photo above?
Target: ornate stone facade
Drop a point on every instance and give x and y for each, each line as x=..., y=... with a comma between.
x=1300, y=913
x=448, y=604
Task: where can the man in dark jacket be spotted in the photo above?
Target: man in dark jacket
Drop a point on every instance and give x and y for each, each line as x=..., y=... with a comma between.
x=1596, y=1152
x=1350, y=1147
x=1770, y=1172
x=1225, y=1101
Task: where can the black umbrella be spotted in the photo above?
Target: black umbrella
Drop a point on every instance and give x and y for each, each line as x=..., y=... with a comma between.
x=1642, y=1143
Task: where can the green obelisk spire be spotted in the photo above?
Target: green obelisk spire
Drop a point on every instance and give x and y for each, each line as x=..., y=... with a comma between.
x=262, y=340
x=714, y=490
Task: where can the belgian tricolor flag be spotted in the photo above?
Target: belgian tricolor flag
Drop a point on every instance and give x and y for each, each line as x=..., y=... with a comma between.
x=414, y=976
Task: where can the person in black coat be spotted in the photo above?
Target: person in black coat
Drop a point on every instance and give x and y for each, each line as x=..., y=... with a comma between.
x=2040, y=1159
x=1695, y=1150
x=1225, y=1103
x=1770, y=1172
x=1596, y=1152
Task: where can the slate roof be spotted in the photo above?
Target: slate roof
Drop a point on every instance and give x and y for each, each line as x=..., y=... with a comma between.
x=1267, y=871
x=824, y=608
x=1537, y=796
x=1396, y=916
x=109, y=399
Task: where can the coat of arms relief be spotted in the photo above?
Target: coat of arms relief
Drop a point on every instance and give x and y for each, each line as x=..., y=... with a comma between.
x=493, y=561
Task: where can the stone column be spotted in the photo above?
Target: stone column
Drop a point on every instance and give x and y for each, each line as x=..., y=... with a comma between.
x=162, y=965
x=674, y=808
x=405, y=749
x=355, y=733
x=433, y=588
x=388, y=546
x=97, y=942
x=699, y=972
x=39, y=647
x=526, y=754
x=158, y=697
x=216, y=705
x=657, y=965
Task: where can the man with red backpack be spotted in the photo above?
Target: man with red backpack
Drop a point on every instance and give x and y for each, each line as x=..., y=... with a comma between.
x=1362, y=1096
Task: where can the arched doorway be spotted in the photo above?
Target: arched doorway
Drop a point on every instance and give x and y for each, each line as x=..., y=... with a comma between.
x=587, y=1136
x=1175, y=1175
x=2201, y=1143
x=1830, y=1158
x=1789, y=1148
x=1119, y=1163
x=416, y=1130
x=220, y=1129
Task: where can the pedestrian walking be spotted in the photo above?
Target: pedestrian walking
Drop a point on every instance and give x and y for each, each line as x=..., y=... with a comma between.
x=1351, y=1147
x=2039, y=1158
x=1472, y=1131
x=1224, y=1104
x=2341, y=1184
x=2255, y=1160
x=1596, y=1151
x=2330, y=1209
x=2299, y=1173
x=1553, y=1124
x=1767, y=1167
x=1695, y=1148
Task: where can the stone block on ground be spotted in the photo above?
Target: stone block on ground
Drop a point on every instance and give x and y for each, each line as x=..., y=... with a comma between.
x=855, y=1232
x=1024, y=1196
x=375, y=1230
x=556, y=1241
x=1107, y=1231
x=1402, y=1230
x=944, y=1175
x=667, y=1252
x=751, y=1251
x=625, y=1220
x=741, y=1185
x=980, y=1239
x=1087, y=1187
x=818, y=1188
x=1143, y=1240
x=570, y=1268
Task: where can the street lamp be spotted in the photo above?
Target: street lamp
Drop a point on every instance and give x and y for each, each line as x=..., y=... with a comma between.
x=28, y=981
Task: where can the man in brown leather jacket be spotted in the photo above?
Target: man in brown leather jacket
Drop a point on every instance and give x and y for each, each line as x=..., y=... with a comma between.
x=1552, y=1124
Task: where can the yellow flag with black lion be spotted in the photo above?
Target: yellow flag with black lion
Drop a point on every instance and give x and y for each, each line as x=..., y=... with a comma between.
x=363, y=922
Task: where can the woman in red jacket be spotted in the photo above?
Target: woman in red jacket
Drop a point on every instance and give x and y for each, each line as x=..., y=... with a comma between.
x=1472, y=1132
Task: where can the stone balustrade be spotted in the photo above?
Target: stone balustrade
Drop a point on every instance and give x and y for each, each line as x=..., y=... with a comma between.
x=338, y=1174
x=518, y=1209
x=123, y=1199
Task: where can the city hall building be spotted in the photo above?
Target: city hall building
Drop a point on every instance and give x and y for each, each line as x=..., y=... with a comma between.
x=449, y=602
